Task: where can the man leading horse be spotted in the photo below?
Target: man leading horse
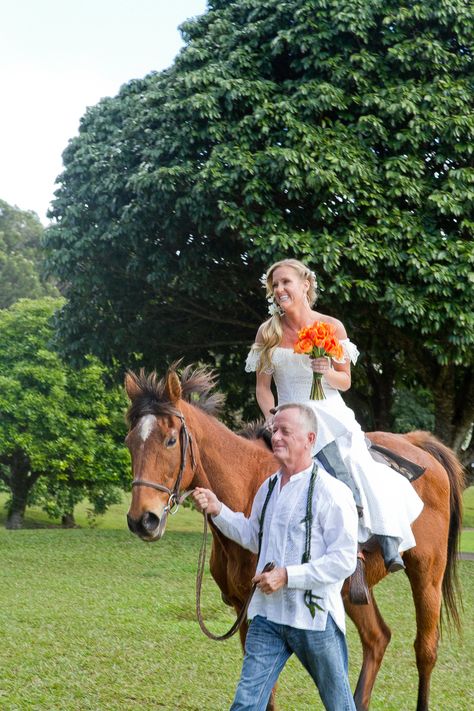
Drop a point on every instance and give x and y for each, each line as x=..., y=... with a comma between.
x=306, y=522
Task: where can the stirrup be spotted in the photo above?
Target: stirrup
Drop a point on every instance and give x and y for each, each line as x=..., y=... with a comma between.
x=359, y=593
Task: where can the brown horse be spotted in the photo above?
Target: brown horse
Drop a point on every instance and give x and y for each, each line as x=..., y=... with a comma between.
x=176, y=442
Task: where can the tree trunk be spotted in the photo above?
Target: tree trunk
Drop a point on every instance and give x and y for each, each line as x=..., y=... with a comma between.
x=381, y=379
x=21, y=481
x=68, y=520
x=444, y=400
x=16, y=510
x=15, y=519
x=453, y=393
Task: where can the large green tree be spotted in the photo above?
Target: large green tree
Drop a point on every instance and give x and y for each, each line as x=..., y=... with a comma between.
x=336, y=131
x=20, y=256
x=61, y=429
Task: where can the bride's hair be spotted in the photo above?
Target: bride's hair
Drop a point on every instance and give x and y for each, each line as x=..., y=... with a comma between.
x=272, y=331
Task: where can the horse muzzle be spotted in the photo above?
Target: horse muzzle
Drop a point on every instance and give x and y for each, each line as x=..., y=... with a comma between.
x=149, y=527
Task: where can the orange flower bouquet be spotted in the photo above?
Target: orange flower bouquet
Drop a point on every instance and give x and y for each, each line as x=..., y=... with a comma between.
x=316, y=341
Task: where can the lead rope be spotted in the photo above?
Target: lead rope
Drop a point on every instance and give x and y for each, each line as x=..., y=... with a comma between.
x=200, y=573
x=310, y=599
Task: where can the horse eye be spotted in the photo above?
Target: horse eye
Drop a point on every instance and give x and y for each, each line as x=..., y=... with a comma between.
x=171, y=442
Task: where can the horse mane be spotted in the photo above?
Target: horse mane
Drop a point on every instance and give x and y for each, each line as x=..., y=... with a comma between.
x=152, y=398
x=256, y=431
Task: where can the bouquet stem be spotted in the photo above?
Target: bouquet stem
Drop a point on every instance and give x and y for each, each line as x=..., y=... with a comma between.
x=317, y=392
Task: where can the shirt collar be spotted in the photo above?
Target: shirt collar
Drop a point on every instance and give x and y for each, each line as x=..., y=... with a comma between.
x=298, y=475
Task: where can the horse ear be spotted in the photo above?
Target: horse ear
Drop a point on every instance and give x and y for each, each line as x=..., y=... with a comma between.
x=131, y=385
x=172, y=386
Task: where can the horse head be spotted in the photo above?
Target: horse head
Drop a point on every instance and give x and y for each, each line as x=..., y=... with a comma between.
x=160, y=440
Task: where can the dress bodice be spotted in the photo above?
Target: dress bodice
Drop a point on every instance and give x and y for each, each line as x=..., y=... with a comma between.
x=292, y=372
x=293, y=379
x=293, y=376
x=389, y=502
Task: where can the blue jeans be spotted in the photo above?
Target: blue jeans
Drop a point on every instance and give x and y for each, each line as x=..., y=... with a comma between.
x=269, y=646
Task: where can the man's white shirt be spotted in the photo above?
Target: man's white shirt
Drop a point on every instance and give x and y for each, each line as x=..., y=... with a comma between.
x=333, y=546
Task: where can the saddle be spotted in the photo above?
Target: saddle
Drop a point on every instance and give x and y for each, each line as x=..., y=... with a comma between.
x=407, y=468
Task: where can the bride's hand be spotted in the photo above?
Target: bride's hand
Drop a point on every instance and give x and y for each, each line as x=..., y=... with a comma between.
x=268, y=424
x=320, y=365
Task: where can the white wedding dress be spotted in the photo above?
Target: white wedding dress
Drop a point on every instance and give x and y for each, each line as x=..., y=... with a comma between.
x=390, y=503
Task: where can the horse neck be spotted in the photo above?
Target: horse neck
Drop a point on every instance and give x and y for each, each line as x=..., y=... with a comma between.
x=231, y=466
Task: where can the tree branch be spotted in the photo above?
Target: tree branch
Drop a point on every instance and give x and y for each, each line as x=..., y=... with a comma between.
x=207, y=316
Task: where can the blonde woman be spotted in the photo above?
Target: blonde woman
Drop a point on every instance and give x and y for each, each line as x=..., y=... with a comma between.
x=386, y=501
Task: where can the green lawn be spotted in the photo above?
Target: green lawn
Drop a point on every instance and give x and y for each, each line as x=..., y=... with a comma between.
x=468, y=501
x=94, y=619
x=36, y=518
x=467, y=542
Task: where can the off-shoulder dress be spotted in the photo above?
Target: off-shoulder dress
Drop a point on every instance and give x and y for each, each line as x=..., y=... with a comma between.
x=390, y=503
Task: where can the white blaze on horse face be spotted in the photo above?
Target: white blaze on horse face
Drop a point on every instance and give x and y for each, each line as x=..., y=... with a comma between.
x=146, y=426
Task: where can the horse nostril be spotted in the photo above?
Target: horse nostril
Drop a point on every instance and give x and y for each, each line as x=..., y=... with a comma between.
x=132, y=524
x=149, y=522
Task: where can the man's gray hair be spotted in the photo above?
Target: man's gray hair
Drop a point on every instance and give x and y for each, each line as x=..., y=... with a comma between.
x=307, y=415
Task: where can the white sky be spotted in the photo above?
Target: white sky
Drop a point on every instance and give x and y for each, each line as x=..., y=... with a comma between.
x=56, y=58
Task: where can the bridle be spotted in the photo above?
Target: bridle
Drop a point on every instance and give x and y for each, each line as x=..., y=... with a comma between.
x=175, y=499
x=174, y=502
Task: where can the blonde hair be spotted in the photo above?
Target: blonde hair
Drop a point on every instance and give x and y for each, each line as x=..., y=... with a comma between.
x=272, y=331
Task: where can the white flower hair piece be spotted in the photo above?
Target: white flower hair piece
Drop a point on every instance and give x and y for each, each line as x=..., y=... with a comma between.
x=313, y=274
x=273, y=308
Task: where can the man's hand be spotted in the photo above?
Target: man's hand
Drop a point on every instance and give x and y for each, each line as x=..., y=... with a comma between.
x=271, y=582
x=206, y=500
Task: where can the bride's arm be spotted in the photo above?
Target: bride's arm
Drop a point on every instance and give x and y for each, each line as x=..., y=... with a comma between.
x=337, y=375
x=264, y=395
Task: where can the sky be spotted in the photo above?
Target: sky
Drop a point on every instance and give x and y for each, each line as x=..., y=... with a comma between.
x=57, y=57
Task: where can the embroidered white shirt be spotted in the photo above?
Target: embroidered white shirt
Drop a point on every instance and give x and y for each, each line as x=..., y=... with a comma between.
x=333, y=547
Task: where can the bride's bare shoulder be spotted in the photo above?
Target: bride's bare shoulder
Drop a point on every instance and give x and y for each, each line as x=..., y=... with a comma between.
x=338, y=325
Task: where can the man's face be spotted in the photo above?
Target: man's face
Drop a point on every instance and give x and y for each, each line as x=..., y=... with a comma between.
x=290, y=442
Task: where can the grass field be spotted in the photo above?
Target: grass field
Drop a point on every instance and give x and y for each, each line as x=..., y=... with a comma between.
x=468, y=501
x=94, y=619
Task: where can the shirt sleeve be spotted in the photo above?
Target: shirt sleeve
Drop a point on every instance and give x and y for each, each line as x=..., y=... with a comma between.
x=236, y=526
x=339, y=523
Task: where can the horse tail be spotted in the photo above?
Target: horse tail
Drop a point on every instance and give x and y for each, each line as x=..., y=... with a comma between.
x=445, y=456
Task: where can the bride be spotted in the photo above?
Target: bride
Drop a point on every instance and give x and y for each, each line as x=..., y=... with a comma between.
x=386, y=501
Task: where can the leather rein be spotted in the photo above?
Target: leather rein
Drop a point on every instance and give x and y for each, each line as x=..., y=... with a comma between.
x=174, y=502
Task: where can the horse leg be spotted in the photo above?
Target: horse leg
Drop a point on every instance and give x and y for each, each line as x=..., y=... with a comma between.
x=374, y=636
x=425, y=580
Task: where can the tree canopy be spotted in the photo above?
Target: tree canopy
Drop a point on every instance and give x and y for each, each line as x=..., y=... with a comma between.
x=337, y=132
x=20, y=256
x=61, y=429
